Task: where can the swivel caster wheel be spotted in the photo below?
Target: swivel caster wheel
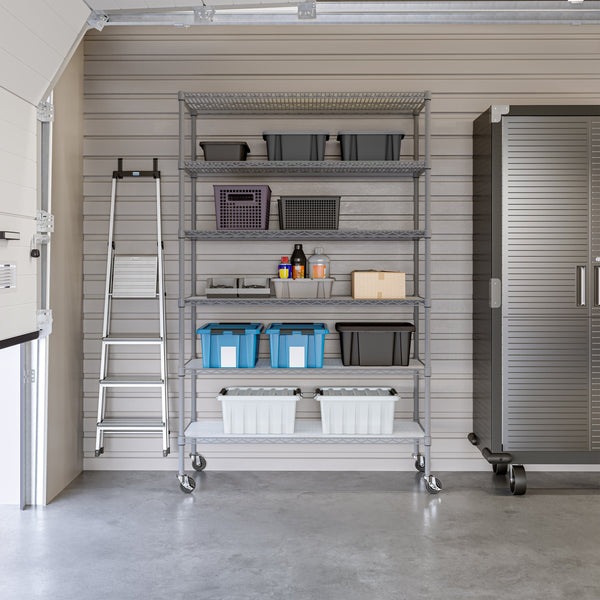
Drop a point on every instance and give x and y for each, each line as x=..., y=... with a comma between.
x=432, y=484
x=420, y=463
x=500, y=469
x=517, y=480
x=186, y=484
x=198, y=462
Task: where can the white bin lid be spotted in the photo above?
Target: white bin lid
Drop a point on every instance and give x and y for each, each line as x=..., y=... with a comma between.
x=357, y=393
x=257, y=393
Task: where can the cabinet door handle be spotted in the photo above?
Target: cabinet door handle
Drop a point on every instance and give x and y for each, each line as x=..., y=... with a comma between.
x=581, y=286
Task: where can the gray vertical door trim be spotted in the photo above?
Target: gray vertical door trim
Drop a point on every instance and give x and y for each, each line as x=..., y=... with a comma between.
x=546, y=339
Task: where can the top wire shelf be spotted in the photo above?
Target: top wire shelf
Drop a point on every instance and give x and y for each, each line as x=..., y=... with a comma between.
x=304, y=103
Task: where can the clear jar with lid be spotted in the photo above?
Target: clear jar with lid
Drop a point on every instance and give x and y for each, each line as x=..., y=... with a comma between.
x=318, y=265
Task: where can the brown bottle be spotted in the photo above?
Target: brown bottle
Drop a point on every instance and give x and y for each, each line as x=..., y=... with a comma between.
x=298, y=262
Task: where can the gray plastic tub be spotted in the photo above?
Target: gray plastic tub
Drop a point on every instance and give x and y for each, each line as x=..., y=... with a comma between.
x=375, y=344
x=302, y=288
x=295, y=145
x=225, y=151
x=370, y=145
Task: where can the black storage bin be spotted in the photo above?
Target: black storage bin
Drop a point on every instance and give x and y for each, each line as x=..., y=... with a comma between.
x=370, y=145
x=309, y=212
x=375, y=344
x=225, y=151
x=295, y=145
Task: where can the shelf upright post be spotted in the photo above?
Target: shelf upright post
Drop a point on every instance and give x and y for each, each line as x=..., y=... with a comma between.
x=181, y=300
x=416, y=268
x=427, y=307
x=194, y=218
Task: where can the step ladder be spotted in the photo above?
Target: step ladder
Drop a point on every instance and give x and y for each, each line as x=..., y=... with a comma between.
x=133, y=278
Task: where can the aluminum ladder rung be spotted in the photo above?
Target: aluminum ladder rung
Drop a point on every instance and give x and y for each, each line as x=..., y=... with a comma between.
x=132, y=381
x=132, y=424
x=132, y=339
x=133, y=277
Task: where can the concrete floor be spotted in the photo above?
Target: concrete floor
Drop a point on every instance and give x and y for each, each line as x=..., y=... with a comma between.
x=306, y=536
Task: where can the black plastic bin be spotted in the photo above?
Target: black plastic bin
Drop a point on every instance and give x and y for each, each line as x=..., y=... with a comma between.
x=295, y=145
x=375, y=344
x=370, y=145
x=225, y=151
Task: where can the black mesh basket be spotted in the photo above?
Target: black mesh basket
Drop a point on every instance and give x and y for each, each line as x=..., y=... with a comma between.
x=309, y=212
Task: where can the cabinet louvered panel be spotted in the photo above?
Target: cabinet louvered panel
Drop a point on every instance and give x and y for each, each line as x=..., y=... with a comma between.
x=546, y=384
x=595, y=384
x=546, y=336
x=545, y=214
x=595, y=248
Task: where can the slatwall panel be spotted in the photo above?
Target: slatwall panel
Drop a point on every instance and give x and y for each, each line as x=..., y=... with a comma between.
x=545, y=236
x=132, y=79
x=595, y=264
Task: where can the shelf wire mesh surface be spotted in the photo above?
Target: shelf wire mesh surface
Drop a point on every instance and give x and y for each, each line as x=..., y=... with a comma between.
x=331, y=366
x=333, y=301
x=374, y=168
x=311, y=234
x=303, y=103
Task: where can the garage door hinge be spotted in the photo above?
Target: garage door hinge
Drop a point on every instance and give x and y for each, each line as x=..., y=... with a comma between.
x=45, y=112
x=44, y=322
x=29, y=376
x=44, y=227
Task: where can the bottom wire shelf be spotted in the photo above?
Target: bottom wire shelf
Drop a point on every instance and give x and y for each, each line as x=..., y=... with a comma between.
x=306, y=432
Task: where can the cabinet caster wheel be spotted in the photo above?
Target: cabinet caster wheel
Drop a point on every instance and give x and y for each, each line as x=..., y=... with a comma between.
x=500, y=469
x=518, y=480
x=198, y=462
x=186, y=484
x=432, y=484
x=420, y=463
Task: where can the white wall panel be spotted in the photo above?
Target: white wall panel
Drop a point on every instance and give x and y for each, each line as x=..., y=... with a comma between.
x=132, y=79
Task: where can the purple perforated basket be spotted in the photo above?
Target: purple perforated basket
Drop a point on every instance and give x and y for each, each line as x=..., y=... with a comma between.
x=242, y=206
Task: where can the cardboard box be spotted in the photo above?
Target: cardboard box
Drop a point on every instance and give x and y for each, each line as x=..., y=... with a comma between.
x=378, y=284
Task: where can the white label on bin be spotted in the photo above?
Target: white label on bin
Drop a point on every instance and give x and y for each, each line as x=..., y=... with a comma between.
x=228, y=356
x=297, y=357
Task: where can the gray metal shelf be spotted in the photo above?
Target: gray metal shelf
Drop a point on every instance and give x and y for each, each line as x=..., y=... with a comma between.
x=330, y=235
x=307, y=168
x=333, y=301
x=414, y=105
x=306, y=432
x=304, y=103
x=331, y=366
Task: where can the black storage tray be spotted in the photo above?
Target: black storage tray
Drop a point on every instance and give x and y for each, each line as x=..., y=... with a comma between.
x=224, y=151
x=375, y=344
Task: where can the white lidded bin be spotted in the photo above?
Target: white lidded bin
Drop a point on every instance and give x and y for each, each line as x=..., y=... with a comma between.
x=357, y=410
x=259, y=409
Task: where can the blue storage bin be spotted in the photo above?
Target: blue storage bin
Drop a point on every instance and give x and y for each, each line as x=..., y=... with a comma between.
x=296, y=345
x=230, y=345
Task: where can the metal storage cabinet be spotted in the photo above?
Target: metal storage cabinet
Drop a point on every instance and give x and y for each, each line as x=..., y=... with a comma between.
x=536, y=287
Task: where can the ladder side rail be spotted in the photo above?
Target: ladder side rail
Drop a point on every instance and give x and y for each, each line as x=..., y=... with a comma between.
x=109, y=261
